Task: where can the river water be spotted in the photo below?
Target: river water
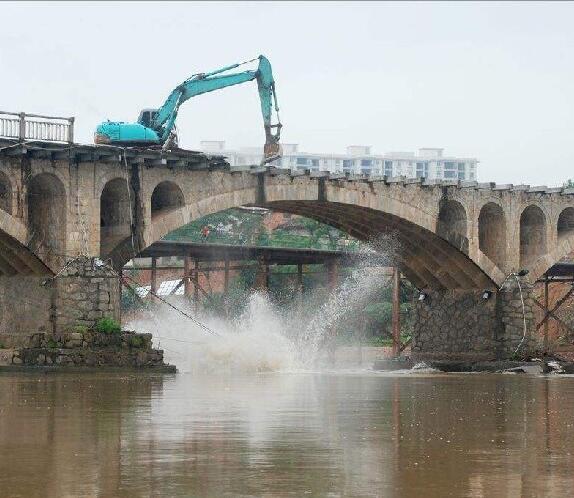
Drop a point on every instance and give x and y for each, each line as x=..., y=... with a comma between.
x=294, y=434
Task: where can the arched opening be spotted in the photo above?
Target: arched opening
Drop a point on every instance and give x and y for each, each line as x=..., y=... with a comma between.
x=492, y=233
x=565, y=224
x=5, y=193
x=115, y=215
x=47, y=209
x=451, y=224
x=532, y=235
x=166, y=197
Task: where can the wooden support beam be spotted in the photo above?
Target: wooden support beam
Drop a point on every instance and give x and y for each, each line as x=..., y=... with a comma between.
x=154, y=275
x=196, y=286
x=187, y=275
x=559, y=303
x=332, y=274
x=551, y=314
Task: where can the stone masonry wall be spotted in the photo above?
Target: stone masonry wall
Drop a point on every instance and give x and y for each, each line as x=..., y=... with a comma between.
x=25, y=308
x=85, y=291
x=462, y=325
x=512, y=318
x=458, y=325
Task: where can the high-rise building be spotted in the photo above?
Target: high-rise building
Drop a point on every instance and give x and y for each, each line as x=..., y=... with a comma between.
x=429, y=162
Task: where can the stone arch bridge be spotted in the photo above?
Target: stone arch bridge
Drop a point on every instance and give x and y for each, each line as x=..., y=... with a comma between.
x=454, y=239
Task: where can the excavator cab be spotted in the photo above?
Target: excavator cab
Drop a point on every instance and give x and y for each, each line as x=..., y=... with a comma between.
x=147, y=116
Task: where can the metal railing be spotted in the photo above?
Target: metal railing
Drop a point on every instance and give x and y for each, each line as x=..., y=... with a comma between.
x=24, y=126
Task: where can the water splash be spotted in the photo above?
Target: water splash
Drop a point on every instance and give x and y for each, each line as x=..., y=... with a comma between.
x=265, y=337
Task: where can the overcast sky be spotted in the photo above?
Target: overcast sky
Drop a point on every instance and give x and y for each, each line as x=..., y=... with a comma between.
x=485, y=80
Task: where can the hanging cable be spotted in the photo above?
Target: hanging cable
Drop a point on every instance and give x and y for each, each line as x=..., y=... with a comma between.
x=164, y=301
x=515, y=275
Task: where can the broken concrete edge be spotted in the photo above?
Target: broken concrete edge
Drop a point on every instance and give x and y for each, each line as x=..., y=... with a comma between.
x=465, y=366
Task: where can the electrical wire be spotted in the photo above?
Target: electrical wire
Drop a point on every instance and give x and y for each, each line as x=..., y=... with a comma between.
x=515, y=275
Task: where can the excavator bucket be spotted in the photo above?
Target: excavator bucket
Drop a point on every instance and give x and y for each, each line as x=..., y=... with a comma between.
x=271, y=151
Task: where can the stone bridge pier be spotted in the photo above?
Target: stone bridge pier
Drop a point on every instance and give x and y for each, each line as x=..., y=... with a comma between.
x=457, y=242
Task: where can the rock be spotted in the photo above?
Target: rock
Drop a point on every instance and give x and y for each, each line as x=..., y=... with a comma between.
x=528, y=369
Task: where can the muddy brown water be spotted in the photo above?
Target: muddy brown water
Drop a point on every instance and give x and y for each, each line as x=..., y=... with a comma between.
x=355, y=434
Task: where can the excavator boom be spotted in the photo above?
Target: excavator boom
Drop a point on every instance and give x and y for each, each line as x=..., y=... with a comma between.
x=156, y=126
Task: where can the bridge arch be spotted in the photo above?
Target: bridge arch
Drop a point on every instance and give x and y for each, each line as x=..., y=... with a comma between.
x=115, y=214
x=47, y=210
x=166, y=197
x=363, y=211
x=492, y=233
x=533, y=243
x=565, y=225
x=452, y=224
x=5, y=193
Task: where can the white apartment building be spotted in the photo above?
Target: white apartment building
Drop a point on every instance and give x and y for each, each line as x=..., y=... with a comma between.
x=429, y=163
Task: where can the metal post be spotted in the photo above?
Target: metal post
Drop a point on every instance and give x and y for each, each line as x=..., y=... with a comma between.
x=71, y=130
x=332, y=274
x=153, y=275
x=196, y=285
x=300, y=279
x=262, y=275
x=546, y=312
x=396, y=317
x=187, y=276
x=226, y=286
x=226, y=277
x=22, y=131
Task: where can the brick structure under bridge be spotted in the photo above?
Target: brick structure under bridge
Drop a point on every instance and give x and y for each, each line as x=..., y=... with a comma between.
x=454, y=240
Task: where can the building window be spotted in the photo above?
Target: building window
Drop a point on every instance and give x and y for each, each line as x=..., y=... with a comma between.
x=366, y=163
x=315, y=162
x=422, y=170
x=450, y=174
x=366, y=171
x=347, y=163
x=301, y=161
x=388, y=168
x=448, y=165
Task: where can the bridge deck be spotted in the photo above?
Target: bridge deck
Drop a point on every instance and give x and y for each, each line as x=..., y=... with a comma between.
x=271, y=255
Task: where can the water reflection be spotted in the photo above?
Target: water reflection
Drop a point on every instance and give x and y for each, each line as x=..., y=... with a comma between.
x=332, y=434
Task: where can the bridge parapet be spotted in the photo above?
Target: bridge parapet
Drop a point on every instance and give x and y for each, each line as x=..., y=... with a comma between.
x=24, y=126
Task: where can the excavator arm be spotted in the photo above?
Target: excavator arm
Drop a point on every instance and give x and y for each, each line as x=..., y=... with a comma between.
x=157, y=126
